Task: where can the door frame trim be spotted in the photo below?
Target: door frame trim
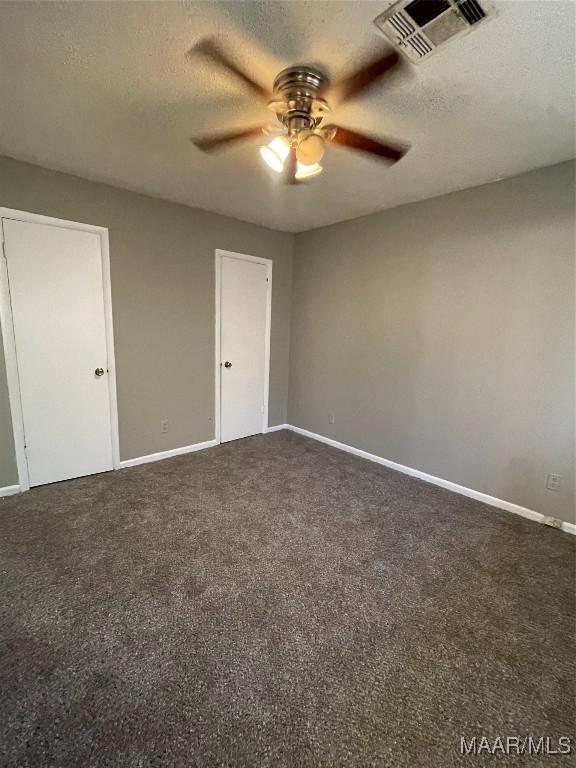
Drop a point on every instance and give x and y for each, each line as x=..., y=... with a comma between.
x=9, y=342
x=218, y=256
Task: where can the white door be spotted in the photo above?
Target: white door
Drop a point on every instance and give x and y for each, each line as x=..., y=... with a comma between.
x=57, y=300
x=244, y=344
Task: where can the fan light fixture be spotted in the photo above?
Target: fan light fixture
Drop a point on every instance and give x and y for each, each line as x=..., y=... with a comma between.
x=300, y=139
x=276, y=153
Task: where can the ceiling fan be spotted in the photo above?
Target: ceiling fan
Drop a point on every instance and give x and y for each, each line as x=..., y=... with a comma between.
x=299, y=100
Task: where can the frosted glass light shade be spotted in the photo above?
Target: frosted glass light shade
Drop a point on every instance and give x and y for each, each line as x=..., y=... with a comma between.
x=306, y=171
x=275, y=153
x=310, y=149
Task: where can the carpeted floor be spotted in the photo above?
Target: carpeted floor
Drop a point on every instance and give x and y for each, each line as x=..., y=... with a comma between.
x=276, y=602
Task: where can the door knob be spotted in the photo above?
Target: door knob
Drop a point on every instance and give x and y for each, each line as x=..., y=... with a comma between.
x=99, y=371
x=227, y=364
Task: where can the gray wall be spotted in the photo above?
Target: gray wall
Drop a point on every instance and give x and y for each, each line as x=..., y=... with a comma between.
x=441, y=336
x=162, y=265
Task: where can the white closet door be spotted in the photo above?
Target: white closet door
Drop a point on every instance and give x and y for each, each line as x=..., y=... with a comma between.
x=56, y=293
x=243, y=301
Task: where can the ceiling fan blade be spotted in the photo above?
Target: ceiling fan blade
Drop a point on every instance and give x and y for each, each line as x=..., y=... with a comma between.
x=290, y=166
x=216, y=141
x=362, y=79
x=389, y=149
x=212, y=51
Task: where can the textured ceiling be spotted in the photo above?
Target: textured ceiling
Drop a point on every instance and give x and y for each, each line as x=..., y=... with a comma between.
x=103, y=90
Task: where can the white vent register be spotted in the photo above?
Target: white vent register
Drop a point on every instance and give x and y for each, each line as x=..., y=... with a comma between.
x=419, y=27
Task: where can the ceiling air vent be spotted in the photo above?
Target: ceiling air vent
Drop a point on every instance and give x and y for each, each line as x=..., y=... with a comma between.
x=419, y=27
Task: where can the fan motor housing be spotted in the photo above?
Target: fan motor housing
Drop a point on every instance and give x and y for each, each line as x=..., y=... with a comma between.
x=297, y=97
x=300, y=78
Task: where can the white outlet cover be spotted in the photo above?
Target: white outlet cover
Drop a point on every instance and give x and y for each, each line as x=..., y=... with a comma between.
x=553, y=481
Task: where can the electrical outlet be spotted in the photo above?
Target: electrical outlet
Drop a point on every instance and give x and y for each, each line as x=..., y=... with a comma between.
x=331, y=419
x=553, y=482
x=164, y=426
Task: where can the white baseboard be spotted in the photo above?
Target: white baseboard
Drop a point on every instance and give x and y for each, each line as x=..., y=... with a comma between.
x=184, y=449
x=516, y=509
x=167, y=454
x=9, y=490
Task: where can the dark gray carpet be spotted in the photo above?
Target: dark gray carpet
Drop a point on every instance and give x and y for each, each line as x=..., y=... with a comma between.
x=276, y=602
